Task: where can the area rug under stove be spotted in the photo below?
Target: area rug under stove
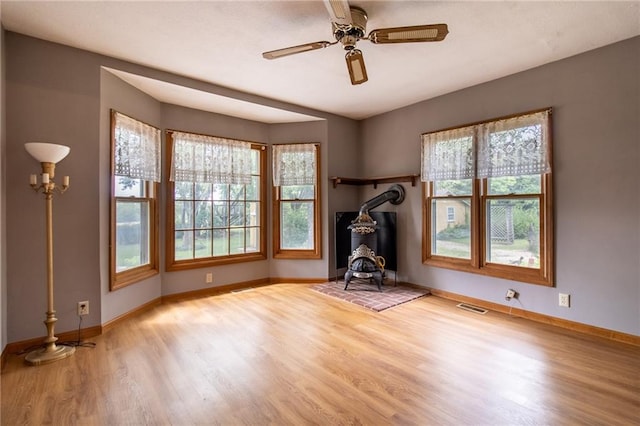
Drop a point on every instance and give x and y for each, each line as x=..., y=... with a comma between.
x=368, y=296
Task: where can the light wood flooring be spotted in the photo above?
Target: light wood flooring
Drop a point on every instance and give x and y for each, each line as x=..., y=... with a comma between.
x=287, y=355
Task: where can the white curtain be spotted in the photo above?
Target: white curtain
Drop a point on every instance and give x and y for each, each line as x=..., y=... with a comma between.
x=515, y=146
x=510, y=147
x=448, y=155
x=137, y=149
x=199, y=158
x=294, y=164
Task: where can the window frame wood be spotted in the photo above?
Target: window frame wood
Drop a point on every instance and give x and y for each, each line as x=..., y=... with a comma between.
x=478, y=263
x=316, y=251
x=171, y=264
x=118, y=280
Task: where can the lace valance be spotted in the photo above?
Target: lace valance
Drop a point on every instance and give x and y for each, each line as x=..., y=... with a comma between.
x=210, y=159
x=508, y=147
x=137, y=149
x=294, y=164
x=515, y=146
x=448, y=155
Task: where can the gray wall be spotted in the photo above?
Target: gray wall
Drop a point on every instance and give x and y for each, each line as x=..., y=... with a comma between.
x=596, y=113
x=52, y=95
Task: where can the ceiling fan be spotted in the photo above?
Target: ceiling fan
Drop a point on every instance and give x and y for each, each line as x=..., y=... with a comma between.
x=349, y=25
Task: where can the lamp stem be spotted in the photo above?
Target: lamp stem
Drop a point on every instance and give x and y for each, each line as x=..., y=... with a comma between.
x=50, y=322
x=51, y=352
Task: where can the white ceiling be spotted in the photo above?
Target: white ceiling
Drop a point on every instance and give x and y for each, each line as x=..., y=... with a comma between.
x=221, y=42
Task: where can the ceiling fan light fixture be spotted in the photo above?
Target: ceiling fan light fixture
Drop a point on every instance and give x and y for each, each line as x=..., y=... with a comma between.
x=355, y=64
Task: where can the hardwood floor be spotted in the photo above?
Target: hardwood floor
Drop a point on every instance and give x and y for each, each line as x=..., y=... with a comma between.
x=287, y=355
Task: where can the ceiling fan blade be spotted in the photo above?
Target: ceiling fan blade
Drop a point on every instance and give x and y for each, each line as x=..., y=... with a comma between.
x=416, y=33
x=279, y=53
x=357, y=70
x=339, y=11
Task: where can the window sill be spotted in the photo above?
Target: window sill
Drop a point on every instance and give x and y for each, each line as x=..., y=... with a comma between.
x=181, y=265
x=127, y=278
x=513, y=273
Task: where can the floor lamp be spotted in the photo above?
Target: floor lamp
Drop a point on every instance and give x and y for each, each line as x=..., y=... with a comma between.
x=48, y=155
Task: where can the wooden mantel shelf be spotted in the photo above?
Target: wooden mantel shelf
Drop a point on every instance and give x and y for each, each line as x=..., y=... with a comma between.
x=375, y=181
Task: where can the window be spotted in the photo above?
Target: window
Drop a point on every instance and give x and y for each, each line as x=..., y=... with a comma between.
x=451, y=214
x=296, y=201
x=216, y=193
x=487, y=198
x=135, y=171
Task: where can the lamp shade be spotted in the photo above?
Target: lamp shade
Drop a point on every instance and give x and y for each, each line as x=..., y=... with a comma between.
x=47, y=152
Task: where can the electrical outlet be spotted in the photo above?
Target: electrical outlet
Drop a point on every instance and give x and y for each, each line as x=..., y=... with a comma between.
x=511, y=294
x=83, y=308
x=209, y=277
x=564, y=300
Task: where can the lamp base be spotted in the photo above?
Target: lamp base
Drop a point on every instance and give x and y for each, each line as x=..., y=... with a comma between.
x=41, y=356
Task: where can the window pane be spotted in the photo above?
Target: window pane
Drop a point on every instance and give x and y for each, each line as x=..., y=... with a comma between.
x=255, y=161
x=297, y=192
x=204, y=216
x=236, y=216
x=220, y=191
x=220, y=214
x=132, y=234
x=442, y=188
x=252, y=239
x=453, y=237
x=236, y=238
x=127, y=187
x=183, y=191
x=203, y=244
x=297, y=225
x=184, y=214
x=253, y=189
x=184, y=245
x=525, y=184
x=514, y=229
x=252, y=215
x=203, y=191
x=236, y=192
x=220, y=242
